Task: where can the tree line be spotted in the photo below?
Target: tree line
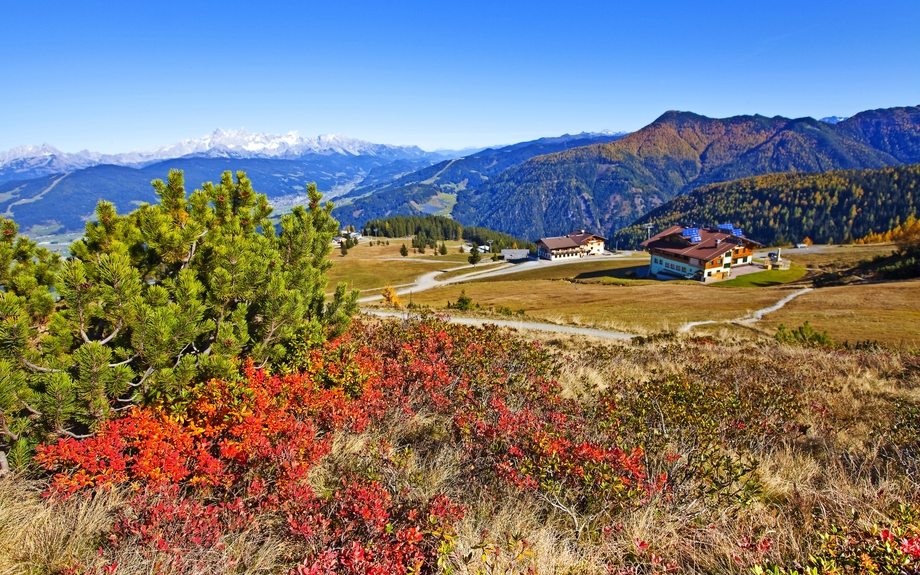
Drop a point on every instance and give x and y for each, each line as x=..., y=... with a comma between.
x=429, y=230
x=776, y=209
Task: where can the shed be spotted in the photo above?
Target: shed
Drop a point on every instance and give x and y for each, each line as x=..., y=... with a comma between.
x=515, y=254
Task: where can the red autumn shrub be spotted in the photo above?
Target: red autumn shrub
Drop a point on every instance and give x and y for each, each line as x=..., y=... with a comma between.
x=247, y=449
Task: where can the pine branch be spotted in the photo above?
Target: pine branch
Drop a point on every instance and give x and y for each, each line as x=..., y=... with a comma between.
x=5, y=429
x=125, y=362
x=191, y=252
x=111, y=336
x=30, y=409
x=62, y=431
x=31, y=365
x=147, y=374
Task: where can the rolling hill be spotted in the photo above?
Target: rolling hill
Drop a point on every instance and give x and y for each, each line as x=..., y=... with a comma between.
x=605, y=187
x=777, y=208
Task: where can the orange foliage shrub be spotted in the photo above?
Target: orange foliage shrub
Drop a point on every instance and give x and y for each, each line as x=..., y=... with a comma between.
x=246, y=450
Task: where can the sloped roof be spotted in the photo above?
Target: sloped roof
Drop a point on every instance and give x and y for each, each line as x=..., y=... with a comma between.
x=713, y=244
x=581, y=236
x=558, y=243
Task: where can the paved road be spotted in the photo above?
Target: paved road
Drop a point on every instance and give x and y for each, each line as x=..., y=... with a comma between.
x=428, y=281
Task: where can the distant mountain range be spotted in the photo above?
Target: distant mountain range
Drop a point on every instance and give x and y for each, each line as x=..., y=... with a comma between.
x=43, y=188
x=605, y=187
x=598, y=181
x=434, y=189
x=27, y=162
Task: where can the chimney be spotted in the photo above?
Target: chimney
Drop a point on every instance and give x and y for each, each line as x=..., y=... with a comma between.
x=718, y=241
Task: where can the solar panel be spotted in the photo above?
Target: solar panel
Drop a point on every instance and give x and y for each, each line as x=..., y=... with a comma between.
x=737, y=232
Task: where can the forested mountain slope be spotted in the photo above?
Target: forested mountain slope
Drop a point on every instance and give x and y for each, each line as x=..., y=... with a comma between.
x=836, y=206
x=605, y=187
x=423, y=191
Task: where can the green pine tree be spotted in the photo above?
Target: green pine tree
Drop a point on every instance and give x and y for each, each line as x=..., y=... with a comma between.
x=156, y=301
x=404, y=251
x=475, y=257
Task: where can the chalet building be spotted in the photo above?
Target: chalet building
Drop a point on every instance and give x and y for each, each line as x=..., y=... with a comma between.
x=575, y=245
x=704, y=254
x=592, y=244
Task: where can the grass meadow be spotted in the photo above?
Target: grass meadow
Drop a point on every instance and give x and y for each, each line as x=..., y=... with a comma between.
x=369, y=267
x=758, y=448
x=646, y=307
x=884, y=312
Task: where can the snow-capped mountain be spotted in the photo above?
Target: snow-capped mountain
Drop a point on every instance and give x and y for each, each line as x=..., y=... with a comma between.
x=25, y=158
x=243, y=144
x=27, y=162
x=834, y=119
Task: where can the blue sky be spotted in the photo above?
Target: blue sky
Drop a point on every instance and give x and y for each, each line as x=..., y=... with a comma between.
x=117, y=76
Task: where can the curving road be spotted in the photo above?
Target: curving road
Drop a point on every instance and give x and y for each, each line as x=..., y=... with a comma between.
x=753, y=317
x=427, y=281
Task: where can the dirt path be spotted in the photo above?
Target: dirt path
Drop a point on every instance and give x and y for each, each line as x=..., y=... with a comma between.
x=752, y=318
x=517, y=325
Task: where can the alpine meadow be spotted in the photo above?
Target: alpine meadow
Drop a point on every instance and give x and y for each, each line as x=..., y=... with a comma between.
x=587, y=288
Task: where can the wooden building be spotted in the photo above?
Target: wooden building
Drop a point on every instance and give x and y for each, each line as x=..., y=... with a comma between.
x=578, y=244
x=704, y=254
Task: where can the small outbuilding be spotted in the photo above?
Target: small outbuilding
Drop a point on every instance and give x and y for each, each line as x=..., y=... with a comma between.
x=511, y=255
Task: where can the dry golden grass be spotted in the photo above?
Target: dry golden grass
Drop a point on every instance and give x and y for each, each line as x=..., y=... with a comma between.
x=884, y=312
x=377, y=274
x=39, y=536
x=369, y=267
x=47, y=536
x=838, y=257
x=635, y=309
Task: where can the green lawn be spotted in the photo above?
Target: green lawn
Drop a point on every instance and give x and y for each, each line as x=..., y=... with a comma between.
x=766, y=278
x=582, y=270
